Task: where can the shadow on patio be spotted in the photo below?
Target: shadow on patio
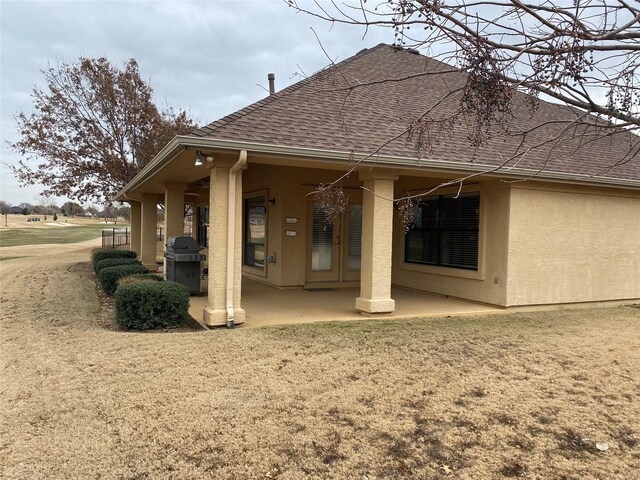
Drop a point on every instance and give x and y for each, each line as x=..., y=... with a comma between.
x=267, y=305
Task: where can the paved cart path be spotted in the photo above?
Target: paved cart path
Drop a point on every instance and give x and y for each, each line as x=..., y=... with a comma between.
x=52, y=249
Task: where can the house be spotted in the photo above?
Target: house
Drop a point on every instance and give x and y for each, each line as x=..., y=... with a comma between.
x=15, y=210
x=557, y=224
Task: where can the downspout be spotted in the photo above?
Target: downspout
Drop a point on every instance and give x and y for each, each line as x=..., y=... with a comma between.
x=231, y=233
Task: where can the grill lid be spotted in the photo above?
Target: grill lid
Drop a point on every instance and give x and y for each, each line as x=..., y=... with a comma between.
x=183, y=245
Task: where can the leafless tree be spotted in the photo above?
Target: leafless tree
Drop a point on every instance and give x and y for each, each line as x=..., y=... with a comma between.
x=583, y=54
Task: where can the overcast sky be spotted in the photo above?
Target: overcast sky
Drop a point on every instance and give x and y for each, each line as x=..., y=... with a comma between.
x=205, y=56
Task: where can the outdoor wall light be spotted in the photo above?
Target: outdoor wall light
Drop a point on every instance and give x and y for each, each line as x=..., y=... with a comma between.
x=198, y=159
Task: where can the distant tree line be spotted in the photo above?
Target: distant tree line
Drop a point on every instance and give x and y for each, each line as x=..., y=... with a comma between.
x=68, y=209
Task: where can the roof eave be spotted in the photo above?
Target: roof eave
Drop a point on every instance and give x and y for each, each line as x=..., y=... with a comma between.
x=181, y=142
x=164, y=156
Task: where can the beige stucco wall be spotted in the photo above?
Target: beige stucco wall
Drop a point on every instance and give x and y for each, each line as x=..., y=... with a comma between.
x=289, y=187
x=572, y=244
x=540, y=243
x=488, y=284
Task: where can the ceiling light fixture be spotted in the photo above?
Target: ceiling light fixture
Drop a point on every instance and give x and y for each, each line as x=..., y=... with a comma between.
x=198, y=159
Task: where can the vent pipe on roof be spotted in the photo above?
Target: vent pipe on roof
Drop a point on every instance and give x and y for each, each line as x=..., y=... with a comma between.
x=272, y=83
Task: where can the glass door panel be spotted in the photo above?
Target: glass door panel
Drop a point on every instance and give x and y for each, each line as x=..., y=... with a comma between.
x=321, y=242
x=324, y=248
x=353, y=243
x=255, y=218
x=355, y=237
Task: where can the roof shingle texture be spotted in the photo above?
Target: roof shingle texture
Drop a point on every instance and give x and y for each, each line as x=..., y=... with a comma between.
x=325, y=112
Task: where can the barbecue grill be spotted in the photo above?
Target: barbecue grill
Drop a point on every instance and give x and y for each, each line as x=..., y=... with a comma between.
x=184, y=263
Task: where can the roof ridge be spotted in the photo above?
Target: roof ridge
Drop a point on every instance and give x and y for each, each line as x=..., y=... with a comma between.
x=285, y=91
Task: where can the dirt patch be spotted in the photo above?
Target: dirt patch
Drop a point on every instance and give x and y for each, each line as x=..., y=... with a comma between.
x=106, y=314
x=496, y=397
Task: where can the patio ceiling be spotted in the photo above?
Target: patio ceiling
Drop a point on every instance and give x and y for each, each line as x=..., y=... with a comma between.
x=180, y=168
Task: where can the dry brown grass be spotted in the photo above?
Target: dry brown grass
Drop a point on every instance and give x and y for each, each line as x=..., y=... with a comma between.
x=492, y=397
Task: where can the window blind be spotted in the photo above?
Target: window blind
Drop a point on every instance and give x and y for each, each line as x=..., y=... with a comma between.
x=445, y=232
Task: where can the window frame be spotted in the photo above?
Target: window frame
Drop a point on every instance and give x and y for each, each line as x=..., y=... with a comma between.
x=202, y=227
x=252, y=269
x=439, y=231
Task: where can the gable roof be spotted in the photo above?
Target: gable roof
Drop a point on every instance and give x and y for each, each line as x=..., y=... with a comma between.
x=323, y=112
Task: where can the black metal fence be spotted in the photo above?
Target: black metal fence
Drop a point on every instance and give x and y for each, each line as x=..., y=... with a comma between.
x=120, y=238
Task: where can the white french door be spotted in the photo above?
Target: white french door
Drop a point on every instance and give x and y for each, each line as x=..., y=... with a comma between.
x=334, y=248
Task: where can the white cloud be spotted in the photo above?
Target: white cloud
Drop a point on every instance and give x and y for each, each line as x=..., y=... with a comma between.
x=208, y=57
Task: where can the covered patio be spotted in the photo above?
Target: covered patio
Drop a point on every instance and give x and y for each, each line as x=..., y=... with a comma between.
x=268, y=305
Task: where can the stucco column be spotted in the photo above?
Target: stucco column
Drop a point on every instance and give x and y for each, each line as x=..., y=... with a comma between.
x=377, y=240
x=136, y=218
x=148, y=232
x=173, y=213
x=174, y=209
x=215, y=313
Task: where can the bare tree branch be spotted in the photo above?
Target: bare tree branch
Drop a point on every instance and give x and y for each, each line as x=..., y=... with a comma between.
x=583, y=54
x=92, y=130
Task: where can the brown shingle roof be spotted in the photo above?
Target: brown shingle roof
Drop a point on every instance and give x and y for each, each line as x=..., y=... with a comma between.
x=320, y=112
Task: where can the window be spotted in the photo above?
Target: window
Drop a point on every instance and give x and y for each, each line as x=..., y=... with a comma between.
x=445, y=232
x=203, y=223
x=255, y=216
x=354, y=246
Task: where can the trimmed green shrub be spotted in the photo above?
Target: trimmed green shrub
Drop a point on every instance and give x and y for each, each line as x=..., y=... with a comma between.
x=109, y=276
x=112, y=262
x=102, y=253
x=143, y=306
x=139, y=278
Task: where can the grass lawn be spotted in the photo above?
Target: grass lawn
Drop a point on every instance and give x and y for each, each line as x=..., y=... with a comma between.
x=466, y=398
x=38, y=236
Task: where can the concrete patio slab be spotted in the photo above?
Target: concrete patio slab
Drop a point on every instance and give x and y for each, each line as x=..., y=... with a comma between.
x=267, y=305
